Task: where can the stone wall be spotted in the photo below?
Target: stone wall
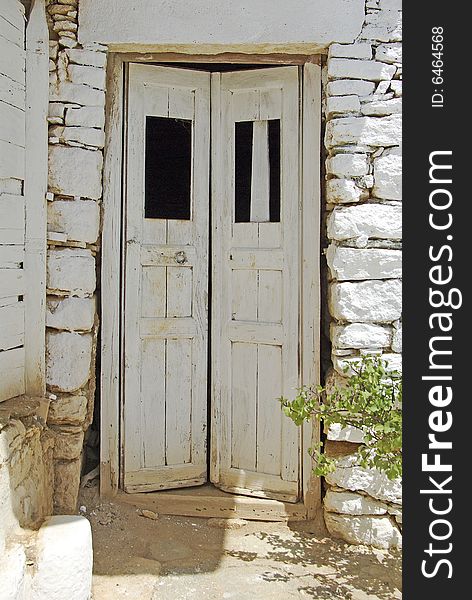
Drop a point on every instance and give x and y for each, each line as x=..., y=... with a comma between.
x=363, y=204
x=76, y=140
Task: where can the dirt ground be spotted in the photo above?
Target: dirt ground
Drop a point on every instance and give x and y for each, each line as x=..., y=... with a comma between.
x=179, y=558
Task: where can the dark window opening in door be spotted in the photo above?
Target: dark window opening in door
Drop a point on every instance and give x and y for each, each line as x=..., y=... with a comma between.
x=168, y=168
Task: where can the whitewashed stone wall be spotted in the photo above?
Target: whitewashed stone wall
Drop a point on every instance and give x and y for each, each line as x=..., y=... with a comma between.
x=76, y=140
x=363, y=203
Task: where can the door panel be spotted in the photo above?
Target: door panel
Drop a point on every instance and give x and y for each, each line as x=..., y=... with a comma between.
x=255, y=281
x=166, y=278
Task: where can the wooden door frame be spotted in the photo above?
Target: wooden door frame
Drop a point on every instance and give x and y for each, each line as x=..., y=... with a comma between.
x=112, y=263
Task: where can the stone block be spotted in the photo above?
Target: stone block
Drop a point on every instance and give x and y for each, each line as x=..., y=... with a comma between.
x=397, y=337
x=377, y=531
x=87, y=136
x=85, y=116
x=367, y=263
x=68, y=410
x=344, y=191
x=362, y=51
x=66, y=486
x=378, y=221
x=78, y=219
x=87, y=57
x=70, y=314
x=68, y=442
x=336, y=433
x=389, y=53
x=91, y=76
x=348, y=87
x=368, y=70
x=347, y=165
x=366, y=301
x=68, y=360
x=349, y=503
x=388, y=175
x=75, y=93
x=360, y=335
x=75, y=172
x=71, y=270
x=383, y=26
x=343, y=365
x=382, y=108
x=342, y=105
x=368, y=131
x=396, y=87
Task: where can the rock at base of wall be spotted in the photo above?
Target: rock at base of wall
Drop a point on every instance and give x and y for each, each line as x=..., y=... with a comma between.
x=377, y=531
x=349, y=503
x=66, y=486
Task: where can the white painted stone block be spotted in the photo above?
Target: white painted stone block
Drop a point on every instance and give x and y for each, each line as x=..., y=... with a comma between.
x=86, y=116
x=87, y=136
x=370, y=70
x=68, y=360
x=65, y=557
x=91, y=76
x=389, y=53
x=382, y=108
x=347, y=87
x=342, y=105
x=343, y=365
x=349, y=503
x=360, y=335
x=336, y=433
x=397, y=337
x=347, y=165
x=87, y=57
x=75, y=172
x=381, y=221
x=350, y=477
x=367, y=263
x=396, y=87
x=343, y=191
x=70, y=314
x=377, y=531
x=350, y=51
x=67, y=91
x=79, y=219
x=369, y=131
x=383, y=26
x=366, y=301
x=13, y=573
x=71, y=270
x=388, y=175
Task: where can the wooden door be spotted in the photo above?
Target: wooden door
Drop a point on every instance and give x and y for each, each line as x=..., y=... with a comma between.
x=166, y=276
x=255, y=306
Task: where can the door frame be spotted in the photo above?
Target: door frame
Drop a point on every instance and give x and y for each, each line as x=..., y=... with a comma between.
x=112, y=263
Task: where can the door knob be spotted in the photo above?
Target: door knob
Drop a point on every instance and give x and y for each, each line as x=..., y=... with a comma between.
x=180, y=257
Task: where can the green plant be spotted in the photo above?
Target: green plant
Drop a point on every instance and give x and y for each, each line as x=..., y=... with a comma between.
x=371, y=401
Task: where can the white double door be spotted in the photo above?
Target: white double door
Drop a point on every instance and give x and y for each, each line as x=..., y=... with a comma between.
x=188, y=420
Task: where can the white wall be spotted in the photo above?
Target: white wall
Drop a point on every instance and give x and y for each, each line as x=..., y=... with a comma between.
x=227, y=22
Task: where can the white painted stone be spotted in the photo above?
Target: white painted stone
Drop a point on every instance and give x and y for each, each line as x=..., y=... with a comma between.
x=368, y=263
x=397, y=337
x=377, y=531
x=87, y=57
x=390, y=4
x=68, y=360
x=396, y=86
x=381, y=221
x=91, y=76
x=13, y=573
x=336, y=433
x=68, y=410
x=347, y=165
x=86, y=116
x=56, y=109
x=79, y=219
x=366, y=301
x=65, y=557
x=381, y=108
x=343, y=365
x=369, y=131
x=70, y=314
x=75, y=172
x=350, y=51
x=67, y=91
x=347, y=87
x=370, y=481
x=360, y=335
x=343, y=191
x=388, y=175
x=341, y=105
x=189, y=22
x=82, y=135
x=71, y=270
x=389, y=53
x=370, y=70
x=383, y=26
x=349, y=503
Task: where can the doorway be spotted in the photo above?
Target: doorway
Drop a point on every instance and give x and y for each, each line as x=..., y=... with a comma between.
x=213, y=197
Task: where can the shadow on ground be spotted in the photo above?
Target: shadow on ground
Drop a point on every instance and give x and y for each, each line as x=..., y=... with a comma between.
x=178, y=558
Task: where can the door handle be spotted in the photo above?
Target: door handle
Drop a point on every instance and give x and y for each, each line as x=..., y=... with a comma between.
x=180, y=257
